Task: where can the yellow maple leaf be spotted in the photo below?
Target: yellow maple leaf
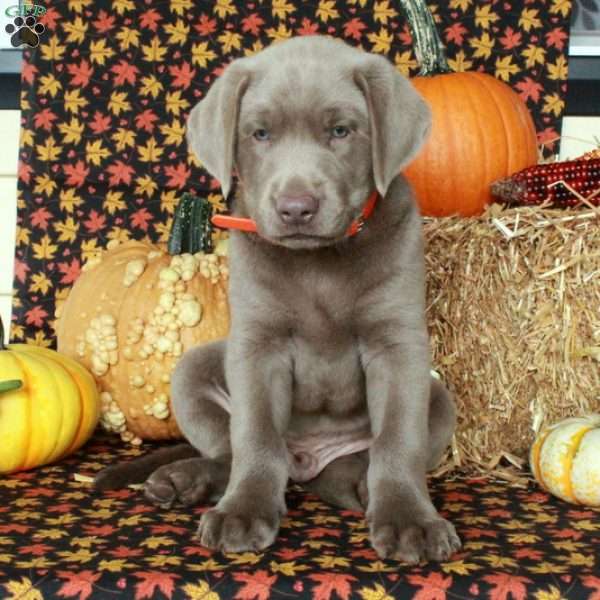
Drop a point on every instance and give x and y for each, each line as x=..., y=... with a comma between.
x=124, y=138
x=327, y=10
x=113, y=202
x=163, y=231
x=133, y=520
x=51, y=534
x=279, y=34
x=39, y=339
x=173, y=133
x=150, y=86
x=163, y=560
x=128, y=37
x=201, y=54
x=210, y=564
x=145, y=185
x=155, y=541
x=460, y=567
x=168, y=201
x=52, y=50
x=554, y=104
x=44, y=184
x=256, y=47
x=78, y=5
x=282, y=8
x=576, y=559
x=483, y=45
x=116, y=565
x=484, y=16
x=230, y=40
x=560, y=6
x=405, y=62
x=48, y=151
x=69, y=200
x=329, y=561
x=534, y=54
x=118, y=103
x=151, y=152
x=529, y=19
x=73, y=100
x=45, y=250
x=179, y=7
x=81, y=556
x=22, y=237
x=381, y=41
x=505, y=68
x=289, y=569
x=99, y=52
x=95, y=152
x=499, y=562
x=523, y=538
x=375, y=593
x=154, y=52
x=122, y=235
x=22, y=590
x=461, y=4
x=49, y=85
x=222, y=8
x=67, y=230
x=243, y=558
x=122, y=6
x=557, y=70
x=546, y=567
x=40, y=283
x=90, y=250
x=76, y=29
x=552, y=593
x=175, y=103
x=377, y=566
x=459, y=65
x=71, y=131
x=179, y=33
x=200, y=591
x=382, y=12
x=26, y=137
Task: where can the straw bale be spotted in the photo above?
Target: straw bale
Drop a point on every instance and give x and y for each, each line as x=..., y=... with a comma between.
x=514, y=317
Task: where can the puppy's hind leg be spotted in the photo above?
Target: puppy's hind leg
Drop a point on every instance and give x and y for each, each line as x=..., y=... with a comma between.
x=199, y=395
x=343, y=482
x=188, y=473
x=442, y=422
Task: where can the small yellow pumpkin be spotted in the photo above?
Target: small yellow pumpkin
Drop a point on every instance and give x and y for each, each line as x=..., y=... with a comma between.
x=565, y=459
x=49, y=406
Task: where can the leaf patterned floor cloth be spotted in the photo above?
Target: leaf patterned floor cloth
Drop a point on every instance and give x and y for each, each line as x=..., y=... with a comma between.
x=60, y=539
x=107, y=91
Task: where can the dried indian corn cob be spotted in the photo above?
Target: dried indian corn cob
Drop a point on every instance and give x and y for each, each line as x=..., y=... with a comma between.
x=540, y=183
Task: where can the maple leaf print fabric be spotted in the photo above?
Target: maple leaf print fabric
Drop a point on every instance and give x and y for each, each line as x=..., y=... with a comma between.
x=106, y=94
x=60, y=539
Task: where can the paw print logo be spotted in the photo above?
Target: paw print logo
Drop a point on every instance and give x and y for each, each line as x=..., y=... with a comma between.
x=25, y=31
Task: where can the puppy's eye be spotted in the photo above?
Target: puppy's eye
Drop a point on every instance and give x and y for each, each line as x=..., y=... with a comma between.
x=262, y=135
x=340, y=131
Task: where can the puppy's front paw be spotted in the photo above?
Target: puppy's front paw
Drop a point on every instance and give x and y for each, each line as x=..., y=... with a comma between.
x=238, y=530
x=412, y=543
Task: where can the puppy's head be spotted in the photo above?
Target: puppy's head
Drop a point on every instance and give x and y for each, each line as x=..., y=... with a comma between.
x=311, y=126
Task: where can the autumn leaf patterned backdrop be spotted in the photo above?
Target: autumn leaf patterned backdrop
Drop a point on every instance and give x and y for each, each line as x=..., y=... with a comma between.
x=106, y=95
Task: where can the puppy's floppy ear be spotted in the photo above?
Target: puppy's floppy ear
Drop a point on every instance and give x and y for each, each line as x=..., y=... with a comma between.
x=212, y=124
x=399, y=118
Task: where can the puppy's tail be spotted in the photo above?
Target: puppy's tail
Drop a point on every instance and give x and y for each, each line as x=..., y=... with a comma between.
x=139, y=469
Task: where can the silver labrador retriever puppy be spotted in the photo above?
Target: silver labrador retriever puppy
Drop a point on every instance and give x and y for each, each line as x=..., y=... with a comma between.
x=328, y=350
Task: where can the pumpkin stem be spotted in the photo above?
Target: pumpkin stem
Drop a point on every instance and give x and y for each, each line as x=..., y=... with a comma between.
x=429, y=49
x=2, y=344
x=192, y=228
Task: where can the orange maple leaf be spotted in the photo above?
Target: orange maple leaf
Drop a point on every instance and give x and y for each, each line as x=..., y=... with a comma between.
x=77, y=584
x=332, y=582
x=256, y=585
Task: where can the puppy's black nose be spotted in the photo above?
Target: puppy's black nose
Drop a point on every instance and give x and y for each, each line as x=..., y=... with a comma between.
x=297, y=210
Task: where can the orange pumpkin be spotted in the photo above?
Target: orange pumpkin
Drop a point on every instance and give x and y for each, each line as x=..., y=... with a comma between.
x=482, y=130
